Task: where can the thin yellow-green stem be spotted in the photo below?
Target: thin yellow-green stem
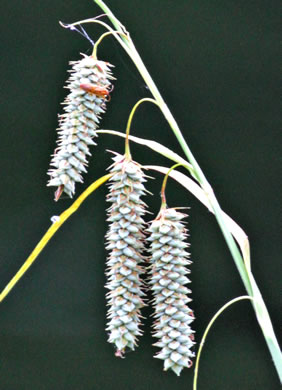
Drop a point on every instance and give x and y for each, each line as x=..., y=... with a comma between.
x=165, y=182
x=217, y=314
x=50, y=233
x=131, y=115
x=94, y=52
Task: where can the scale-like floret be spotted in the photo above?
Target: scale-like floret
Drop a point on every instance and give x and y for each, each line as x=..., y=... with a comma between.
x=125, y=241
x=89, y=85
x=168, y=271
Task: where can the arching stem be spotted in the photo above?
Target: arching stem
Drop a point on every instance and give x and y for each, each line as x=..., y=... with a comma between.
x=94, y=53
x=127, y=149
x=217, y=314
x=163, y=197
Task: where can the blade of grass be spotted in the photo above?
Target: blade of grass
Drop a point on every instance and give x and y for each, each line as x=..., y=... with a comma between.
x=50, y=233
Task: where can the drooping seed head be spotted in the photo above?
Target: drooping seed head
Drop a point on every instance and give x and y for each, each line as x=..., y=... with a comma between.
x=83, y=109
x=168, y=271
x=125, y=243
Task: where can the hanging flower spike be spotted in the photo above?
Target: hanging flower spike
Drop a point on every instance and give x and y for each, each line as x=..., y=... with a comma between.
x=125, y=241
x=89, y=86
x=169, y=259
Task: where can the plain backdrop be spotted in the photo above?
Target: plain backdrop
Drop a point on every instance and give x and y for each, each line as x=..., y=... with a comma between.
x=216, y=65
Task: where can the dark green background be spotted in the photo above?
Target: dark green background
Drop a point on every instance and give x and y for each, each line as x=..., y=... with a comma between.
x=216, y=64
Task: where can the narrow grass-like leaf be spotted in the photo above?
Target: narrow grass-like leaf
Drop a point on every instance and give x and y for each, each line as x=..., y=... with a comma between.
x=155, y=146
x=49, y=234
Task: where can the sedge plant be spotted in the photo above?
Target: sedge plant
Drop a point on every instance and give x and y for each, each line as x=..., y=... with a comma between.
x=90, y=86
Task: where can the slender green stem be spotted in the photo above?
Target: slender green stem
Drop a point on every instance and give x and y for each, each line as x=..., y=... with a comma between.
x=217, y=314
x=116, y=23
x=94, y=53
x=165, y=182
x=131, y=115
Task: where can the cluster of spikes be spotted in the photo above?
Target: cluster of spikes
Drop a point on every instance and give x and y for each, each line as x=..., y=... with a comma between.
x=126, y=241
x=89, y=85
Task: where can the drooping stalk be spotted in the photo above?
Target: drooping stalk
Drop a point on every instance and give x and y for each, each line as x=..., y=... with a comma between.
x=131, y=115
x=202, y=343
x=245, y=273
